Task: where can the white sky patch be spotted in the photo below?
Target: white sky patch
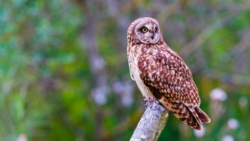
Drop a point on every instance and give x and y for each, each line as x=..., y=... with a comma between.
x=98, y=63
x=200, y=133
x=233, y=123
x=22, y=137
x=218, y=94
x=99, y=94
x=227, y=138
x=125, y=89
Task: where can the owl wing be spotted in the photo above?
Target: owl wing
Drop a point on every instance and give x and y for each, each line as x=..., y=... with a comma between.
x=165, y=71
x=170, y=80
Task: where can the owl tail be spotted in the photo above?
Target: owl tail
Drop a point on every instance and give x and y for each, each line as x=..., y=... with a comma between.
x=202, y=115
x=192, y=116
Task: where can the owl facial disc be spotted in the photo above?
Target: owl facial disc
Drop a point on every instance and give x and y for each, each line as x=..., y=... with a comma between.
x=148, y=32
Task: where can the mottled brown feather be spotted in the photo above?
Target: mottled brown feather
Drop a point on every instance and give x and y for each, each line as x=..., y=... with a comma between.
x=183, y=113
x=160, y=73
x=168, y=73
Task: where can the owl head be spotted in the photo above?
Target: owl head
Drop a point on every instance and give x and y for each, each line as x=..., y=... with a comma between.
x=145, y=30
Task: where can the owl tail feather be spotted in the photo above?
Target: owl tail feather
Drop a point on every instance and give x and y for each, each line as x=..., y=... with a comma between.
x=202, y=115
x=190, y=115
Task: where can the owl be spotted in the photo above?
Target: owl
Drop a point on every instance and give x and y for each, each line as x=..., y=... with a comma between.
x=161, y=74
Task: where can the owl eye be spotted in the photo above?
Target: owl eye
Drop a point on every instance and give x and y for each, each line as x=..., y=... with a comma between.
x=144, y=29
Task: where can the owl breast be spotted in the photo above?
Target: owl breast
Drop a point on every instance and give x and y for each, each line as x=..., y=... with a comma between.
x=135, y=73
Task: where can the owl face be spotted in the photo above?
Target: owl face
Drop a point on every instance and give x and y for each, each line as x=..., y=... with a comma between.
x=148, y=31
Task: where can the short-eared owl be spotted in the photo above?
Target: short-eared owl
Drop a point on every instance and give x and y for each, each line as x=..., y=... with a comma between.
x=161, y=74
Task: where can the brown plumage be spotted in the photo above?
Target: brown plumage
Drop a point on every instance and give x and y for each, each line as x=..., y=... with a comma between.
x=161, y=74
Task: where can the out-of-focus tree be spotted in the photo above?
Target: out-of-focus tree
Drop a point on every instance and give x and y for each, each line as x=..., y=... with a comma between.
x=64, y=72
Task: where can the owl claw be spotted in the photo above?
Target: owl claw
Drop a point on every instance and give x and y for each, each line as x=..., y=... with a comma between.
x=148, y=101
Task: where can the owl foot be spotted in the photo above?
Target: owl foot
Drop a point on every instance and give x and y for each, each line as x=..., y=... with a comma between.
x=147, y=101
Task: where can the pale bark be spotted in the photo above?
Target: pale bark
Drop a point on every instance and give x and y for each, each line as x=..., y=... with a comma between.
x=151, y=123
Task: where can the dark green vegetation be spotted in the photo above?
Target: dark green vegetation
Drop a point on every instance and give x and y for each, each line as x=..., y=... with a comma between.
x=64, y=73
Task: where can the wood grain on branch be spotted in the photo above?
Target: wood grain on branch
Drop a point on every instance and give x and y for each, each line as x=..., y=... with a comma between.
x=151, y=123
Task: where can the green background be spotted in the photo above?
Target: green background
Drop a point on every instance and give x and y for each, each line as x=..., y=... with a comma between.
x=64, y=73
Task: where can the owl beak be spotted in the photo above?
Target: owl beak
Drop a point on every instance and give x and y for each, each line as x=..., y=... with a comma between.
x=152, y=36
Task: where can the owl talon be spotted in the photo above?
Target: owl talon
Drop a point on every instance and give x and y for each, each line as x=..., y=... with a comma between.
x=148, y=101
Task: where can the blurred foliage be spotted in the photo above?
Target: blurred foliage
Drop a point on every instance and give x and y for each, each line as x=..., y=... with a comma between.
x=64, y=73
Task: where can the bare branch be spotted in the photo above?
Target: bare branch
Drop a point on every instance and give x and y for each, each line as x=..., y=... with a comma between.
x=151, y=124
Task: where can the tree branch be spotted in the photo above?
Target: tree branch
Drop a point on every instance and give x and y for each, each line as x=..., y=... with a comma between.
x=151, y=124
